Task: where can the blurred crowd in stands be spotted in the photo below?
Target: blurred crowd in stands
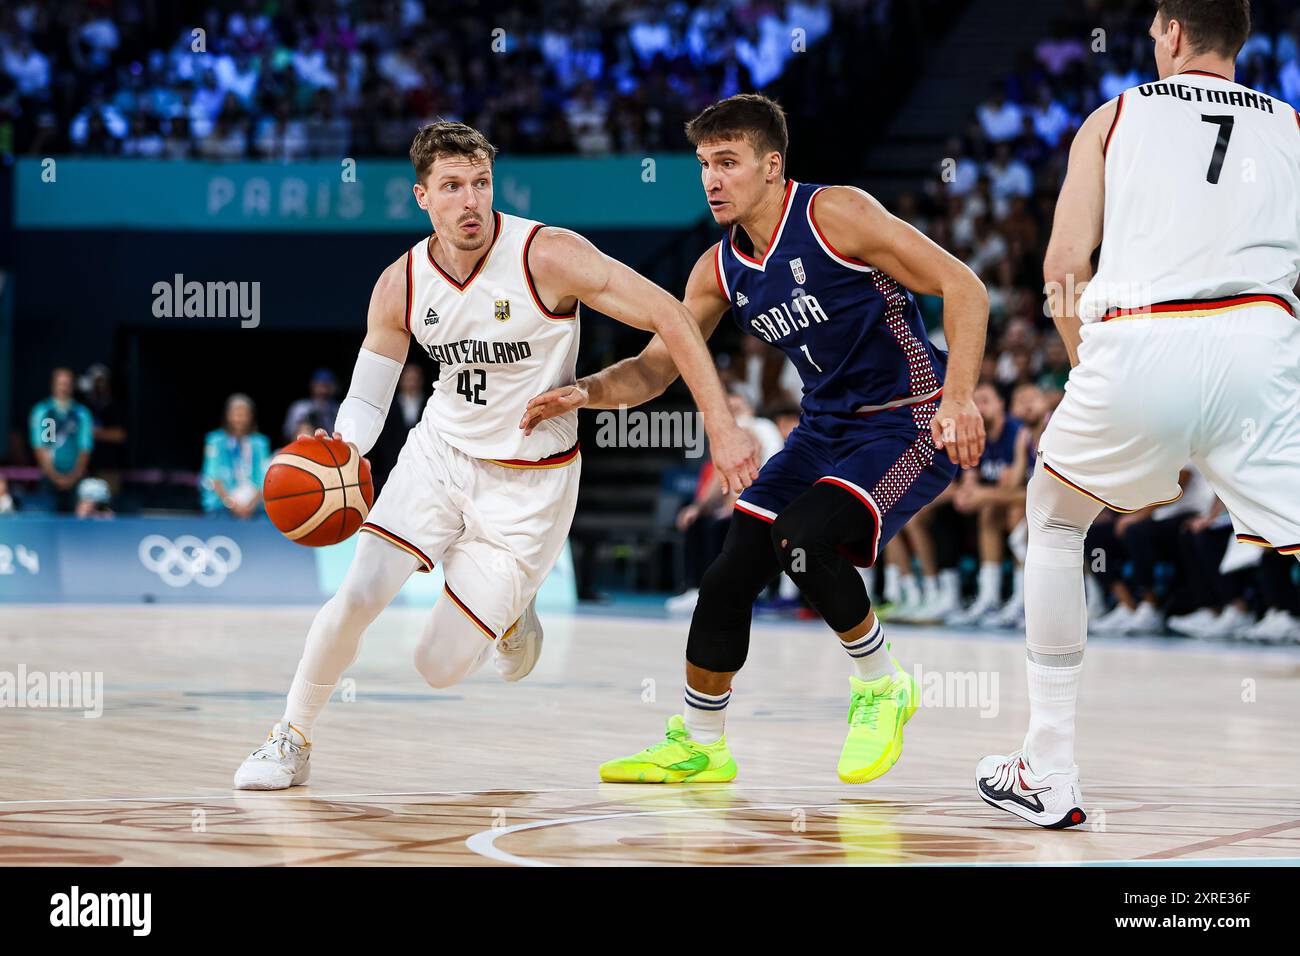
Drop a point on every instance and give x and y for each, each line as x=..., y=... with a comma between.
x=77, y=441
x=285, y=81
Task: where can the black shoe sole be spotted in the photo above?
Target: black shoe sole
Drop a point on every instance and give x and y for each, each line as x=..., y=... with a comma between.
x=1063, y=824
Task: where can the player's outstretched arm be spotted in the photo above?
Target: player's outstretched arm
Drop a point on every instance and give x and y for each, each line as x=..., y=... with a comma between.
x=379, y=364
x=634, y=381
x=565, y=266
x=1077, y=225
x=859, y=227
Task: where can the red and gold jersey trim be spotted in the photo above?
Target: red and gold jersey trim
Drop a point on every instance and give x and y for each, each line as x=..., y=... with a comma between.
x=554, y=461
x=401, y=543
x=1102, y=501
x=1190, y=308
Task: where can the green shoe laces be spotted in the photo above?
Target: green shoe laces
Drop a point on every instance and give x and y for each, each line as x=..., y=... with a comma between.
x=864, y=710
x=672, y=738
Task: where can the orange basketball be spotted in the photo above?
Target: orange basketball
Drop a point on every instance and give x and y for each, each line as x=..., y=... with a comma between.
x=318, y=491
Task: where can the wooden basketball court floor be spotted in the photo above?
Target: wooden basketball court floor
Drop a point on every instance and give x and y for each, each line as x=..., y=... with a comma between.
x=1188, y=751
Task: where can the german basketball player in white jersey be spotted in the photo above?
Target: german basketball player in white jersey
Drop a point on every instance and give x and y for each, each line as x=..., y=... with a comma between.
x=493, y=299
x=1184, y=346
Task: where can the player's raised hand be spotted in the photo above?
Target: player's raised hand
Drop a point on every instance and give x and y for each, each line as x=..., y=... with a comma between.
x=958, y=427
x=566, y=398
x=735, y=456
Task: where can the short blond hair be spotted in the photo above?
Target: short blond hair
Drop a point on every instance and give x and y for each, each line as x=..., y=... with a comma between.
x=446, y=138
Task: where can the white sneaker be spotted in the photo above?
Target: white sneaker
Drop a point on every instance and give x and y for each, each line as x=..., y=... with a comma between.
x=515, y=655
x=683, y=603
x=1192, y=624
x=1112, y=622
x=906, y=613
x=934, y=611
x=1221, y=625
x=278, y=764
x=1275, y=627
x=1145, y=620
x=1053, y=801
x=972, y=615
x=1232, y=624
x=1010, y=615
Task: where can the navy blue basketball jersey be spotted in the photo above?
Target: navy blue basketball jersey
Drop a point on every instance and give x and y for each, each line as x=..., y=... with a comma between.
x=999, y=452
x=855, y=335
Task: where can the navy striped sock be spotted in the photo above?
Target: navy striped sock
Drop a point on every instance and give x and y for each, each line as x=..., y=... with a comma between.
x=706, y=714
x=870, y=655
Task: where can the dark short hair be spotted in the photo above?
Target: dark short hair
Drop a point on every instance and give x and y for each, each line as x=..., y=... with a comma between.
x=446, y=138
x=753, y=117
x=1212, y=26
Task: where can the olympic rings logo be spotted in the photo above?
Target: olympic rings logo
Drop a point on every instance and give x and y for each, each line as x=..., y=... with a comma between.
x=189, y=558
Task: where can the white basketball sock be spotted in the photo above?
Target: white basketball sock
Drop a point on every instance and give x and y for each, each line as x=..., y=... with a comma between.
x=870, y=655
x=893, y=584
x=950, y=586
x=706, y=715
x=929, y=589
x=911, y=591
x=306, y=701
x=990, y=582
x=1053, y=694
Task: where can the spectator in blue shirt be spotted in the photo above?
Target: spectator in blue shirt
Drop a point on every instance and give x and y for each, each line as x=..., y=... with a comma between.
x=235, y=459
x=62, y=435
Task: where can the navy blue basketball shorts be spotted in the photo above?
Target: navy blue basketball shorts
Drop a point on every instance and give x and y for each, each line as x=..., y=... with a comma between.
x=893, y=471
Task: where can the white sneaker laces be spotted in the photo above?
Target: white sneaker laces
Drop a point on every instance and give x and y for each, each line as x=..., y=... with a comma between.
x=1002, y=775
x=276, y=745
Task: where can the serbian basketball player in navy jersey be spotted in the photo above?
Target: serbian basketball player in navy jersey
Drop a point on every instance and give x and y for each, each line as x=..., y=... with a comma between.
x=826, y=275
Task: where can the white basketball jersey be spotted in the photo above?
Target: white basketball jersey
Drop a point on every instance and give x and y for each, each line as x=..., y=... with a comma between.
x=1202, y=197
x=496, y=346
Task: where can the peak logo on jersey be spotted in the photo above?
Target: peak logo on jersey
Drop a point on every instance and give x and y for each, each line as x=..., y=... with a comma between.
x=431, y=318
x=501, y=309
x=742, y=299
x=796, y=266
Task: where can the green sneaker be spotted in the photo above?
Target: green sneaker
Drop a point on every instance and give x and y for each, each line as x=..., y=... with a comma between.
x=878, y=710
x=675, y=759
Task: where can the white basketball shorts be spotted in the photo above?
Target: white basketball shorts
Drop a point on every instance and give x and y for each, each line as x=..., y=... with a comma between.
x=497, y=526
x=1219, y=387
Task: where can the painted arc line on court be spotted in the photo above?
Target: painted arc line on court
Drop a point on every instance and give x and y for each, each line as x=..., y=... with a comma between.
x=484, y=842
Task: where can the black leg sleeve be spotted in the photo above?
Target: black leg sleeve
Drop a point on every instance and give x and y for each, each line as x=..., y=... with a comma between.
x=809, y=535
x=719, y=638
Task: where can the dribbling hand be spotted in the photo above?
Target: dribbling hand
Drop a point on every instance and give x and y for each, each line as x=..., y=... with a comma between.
x=321, y=433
